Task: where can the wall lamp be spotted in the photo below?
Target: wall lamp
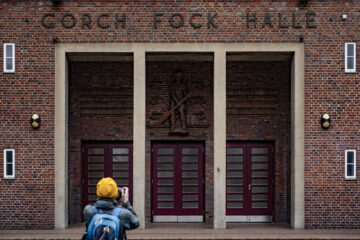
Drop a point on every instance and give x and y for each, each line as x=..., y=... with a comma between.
x=325, y=121
x=35, y=121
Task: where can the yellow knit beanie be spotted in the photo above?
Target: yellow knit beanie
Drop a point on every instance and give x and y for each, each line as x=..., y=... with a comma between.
x=107, y=188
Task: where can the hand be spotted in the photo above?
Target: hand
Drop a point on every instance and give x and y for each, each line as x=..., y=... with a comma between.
x=125, y=194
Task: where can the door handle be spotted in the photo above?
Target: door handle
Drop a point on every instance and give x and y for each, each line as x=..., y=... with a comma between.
x=249, y=187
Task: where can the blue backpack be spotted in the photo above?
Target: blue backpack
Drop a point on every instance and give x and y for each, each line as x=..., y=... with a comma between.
x=104, y=226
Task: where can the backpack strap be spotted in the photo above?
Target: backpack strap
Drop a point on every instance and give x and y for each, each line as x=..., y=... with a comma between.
x=95, y=210
x=116, y=213
x=91, y=224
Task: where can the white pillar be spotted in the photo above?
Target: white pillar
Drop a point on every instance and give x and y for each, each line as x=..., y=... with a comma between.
x=219, y=139
x=297, y=140
x=139, y=129
x=61, y=139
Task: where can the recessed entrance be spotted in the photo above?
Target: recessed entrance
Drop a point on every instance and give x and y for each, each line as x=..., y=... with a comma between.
x=141, y=166
x=100, y=122
x=249, y=182
x=178, y=182
x=258, y=112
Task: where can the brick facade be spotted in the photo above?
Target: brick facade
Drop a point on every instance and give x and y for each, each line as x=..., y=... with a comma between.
x=330, y=201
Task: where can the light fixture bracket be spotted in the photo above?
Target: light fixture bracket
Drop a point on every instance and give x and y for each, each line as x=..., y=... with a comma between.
x=56, y=2
x=303, y=2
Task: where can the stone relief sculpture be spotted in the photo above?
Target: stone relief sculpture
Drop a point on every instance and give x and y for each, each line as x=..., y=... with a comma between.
x=178, y=94
x=177, y=112
x=176, y=109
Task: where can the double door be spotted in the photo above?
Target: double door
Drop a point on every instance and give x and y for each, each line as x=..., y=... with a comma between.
x=178, y=182
x=249, y=179
x=106, y=160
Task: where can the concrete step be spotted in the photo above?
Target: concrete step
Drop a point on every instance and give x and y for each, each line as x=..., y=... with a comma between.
x=196, y=231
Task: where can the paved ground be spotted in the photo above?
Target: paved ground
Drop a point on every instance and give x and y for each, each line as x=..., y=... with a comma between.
x=194, y=231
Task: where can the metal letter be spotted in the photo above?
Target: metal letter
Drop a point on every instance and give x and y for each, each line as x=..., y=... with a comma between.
x=122, y=20
x=211, y=19
x=86, y=20
x=267, y=20
x=99, y=20
x=294, y=24
x=43, y=19
x=73, y=20
x=309, y=20
x=195, y=25
x=156, y=20
x=281, y=22
x=250, y=19
x=180, y=24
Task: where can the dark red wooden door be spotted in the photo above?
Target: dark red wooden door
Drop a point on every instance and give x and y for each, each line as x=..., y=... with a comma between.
x=106, y=160
x=178, y=187
x=249, y=179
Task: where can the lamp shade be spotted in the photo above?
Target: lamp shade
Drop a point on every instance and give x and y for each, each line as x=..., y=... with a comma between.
x=325, y=121
x=35, y=121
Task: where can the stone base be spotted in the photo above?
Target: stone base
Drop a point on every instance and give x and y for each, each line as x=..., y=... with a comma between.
x=178, y=132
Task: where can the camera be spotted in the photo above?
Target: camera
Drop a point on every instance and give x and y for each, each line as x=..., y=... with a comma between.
x=119, y=194
x=123, y=194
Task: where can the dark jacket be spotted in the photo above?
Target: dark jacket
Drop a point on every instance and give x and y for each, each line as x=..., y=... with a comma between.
x=128, y=218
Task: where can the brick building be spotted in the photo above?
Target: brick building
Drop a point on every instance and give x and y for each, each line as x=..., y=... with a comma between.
x=210, y=111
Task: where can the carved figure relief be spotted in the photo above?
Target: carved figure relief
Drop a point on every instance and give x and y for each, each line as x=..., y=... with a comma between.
x=177, y=112
x=176, y=109
x=178, y=94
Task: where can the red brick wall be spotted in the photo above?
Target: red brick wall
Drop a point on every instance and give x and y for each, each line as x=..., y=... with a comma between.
x=330, y=201
x=101, y=109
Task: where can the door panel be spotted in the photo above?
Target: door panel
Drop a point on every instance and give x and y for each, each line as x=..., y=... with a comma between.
x=164, y=179
x=191, y=174
x=235, y=178
x=121, y=157
x=106, y=160
x=260, y=180
x=93, y=170
x=177, y=179
x=249, y=179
